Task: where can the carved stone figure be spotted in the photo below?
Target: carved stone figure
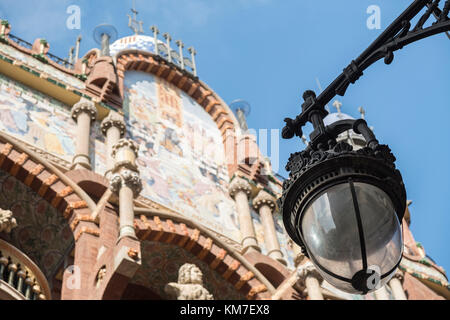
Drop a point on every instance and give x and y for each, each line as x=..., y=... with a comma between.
x=189, y=286
x=7, y=222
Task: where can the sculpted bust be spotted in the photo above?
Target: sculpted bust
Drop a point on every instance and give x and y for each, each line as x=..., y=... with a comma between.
x=7, y=221
x=189, y=285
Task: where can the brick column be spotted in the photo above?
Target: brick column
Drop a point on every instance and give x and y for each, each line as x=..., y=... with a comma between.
x=310, y=279
x=83, y=113
x=240, y=189
x=396, y=286
x=113, y=128
x=126, y=183
x=265, y=204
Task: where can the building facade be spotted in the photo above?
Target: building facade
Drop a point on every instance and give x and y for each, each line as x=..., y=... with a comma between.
x=124, y=176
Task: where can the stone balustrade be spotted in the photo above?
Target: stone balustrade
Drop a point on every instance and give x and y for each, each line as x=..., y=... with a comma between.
x=21, y=274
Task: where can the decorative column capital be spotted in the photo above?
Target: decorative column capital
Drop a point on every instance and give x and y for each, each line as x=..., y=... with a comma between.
x=128, y=178
x=113, y=120
x=307, y=269
x=307, y=279
x=7, y=221
x=84, y=106
x=264, y=199
x=398, y=275
x=239, y=184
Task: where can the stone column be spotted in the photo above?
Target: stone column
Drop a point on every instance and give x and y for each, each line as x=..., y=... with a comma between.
x=265, y=204
x=83, y=113
x=382, y=293
x=113, y=128
x=240, y=189
x=126, y=183
x=310, y=279
x=396, y=286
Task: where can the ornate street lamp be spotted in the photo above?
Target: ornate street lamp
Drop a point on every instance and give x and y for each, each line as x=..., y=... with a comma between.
x=344, y=207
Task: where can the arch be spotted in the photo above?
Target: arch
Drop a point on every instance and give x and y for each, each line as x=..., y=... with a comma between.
x=46, y=180
x=92, y=183
x=235, y=269
x=273, y=270
x=271, y=273
x=41, y=240
x=161, y=263
x=137, y=292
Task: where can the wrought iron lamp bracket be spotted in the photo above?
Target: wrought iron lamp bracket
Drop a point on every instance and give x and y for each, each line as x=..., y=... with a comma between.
x=398, y=35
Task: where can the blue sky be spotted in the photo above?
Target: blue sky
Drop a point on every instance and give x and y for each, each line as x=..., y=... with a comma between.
x=268, y=52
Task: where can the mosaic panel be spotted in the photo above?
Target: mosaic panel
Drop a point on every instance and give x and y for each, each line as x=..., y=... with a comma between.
x=36, y=119
x=136, y=42
x=44, y=122
x=181, y=155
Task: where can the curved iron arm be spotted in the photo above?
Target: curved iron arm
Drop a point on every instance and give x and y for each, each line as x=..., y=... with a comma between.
x=395, y=37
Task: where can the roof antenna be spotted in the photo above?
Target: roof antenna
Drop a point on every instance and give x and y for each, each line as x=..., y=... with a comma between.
x=77, y=50
x=104, y=34
x=242, y=109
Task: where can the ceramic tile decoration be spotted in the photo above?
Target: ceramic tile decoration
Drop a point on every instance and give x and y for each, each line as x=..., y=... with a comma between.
x=36, y=119
x=181, y=156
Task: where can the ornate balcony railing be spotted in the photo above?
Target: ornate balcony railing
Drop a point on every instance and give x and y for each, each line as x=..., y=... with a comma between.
x=22, y=274
x=62, y=62
x=20, y=41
